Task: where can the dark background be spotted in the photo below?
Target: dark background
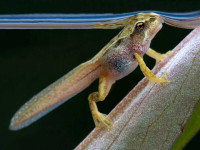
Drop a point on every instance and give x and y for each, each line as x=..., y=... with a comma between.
x=32, y=59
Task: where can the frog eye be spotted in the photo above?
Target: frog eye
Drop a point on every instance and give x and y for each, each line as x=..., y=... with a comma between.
x=140, y=26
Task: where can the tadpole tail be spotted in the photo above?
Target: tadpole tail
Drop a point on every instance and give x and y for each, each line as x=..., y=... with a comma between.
x=55, y=94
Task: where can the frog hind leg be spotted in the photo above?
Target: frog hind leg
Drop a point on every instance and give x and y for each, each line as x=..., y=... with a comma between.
x=105, y=84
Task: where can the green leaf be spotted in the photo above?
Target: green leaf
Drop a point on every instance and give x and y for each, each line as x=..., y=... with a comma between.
x=154, y=116
x=191, y=128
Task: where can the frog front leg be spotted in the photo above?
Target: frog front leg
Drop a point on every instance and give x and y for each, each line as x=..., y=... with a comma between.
x=105, y=84
x=157, y=56
x=147, y=72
